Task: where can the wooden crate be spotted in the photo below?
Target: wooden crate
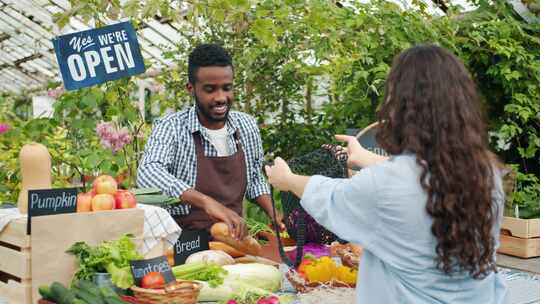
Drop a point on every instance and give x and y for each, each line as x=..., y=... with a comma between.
x=521, y=228
x=15, y=263
x=523, y=248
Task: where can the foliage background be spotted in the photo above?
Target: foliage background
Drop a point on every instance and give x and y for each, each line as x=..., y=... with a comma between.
x=306, y=70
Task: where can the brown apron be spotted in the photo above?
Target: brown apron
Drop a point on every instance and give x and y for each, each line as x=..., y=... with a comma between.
x=222, y=178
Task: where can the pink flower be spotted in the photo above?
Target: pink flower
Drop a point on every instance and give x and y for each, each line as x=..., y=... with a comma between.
x=56, y=92
x=112, y=137
x=4, y=128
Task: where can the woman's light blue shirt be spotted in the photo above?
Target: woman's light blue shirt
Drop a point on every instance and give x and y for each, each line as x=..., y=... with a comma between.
x=382, y=208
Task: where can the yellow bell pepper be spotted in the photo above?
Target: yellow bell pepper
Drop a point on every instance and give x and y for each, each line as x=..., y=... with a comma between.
x=346, y=275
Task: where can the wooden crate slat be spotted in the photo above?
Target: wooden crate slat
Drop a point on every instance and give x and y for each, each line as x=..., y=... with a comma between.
x=15, y=262
x=15, y=292
x=524, y=248
x=15, y=234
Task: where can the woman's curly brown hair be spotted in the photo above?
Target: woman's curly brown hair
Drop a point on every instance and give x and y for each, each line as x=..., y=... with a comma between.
x=432, y=109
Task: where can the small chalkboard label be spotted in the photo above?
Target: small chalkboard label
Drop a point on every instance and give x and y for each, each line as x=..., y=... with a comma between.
x=50, y=202
x=189, y=242
x=140, y=268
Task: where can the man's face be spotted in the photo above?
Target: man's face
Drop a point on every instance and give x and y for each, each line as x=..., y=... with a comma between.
x=213, y=91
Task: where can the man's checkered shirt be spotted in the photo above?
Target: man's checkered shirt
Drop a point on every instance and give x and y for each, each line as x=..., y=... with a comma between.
x=170, y=162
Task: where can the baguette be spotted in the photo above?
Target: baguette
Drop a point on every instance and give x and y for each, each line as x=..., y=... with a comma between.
x=220, y=232
x=248, y=259
x=226, y=248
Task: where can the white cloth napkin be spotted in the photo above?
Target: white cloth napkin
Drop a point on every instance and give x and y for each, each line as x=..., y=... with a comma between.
x=158, y=225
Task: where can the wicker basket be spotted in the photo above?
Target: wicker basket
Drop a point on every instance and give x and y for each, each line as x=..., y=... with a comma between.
x=302, y=286
x=185, y=292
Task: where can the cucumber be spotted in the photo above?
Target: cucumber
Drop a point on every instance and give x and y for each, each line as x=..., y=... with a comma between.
x=107, y=292
x=89, y=287
x=67, y=298
x=151, y=199
x=45, y=292
x=88, y=297
x=58, y=291
x=140, y=191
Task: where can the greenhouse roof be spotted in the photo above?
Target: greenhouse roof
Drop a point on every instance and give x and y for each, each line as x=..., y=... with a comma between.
x=27, y=57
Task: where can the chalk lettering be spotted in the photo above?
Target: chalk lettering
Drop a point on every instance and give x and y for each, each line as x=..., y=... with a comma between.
x=79, y=44
x=76, y=67
x=92, y=59
x=107, y=60
x=124, y=55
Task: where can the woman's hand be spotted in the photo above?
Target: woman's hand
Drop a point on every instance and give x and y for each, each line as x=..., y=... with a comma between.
x=279, y=174
x=359, y=156
x=354, y=149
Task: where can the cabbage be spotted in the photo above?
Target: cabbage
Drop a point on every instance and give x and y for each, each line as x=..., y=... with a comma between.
x=241, y=279
x=257, y=275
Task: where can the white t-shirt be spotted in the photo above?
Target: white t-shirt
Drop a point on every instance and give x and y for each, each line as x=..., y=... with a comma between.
x=219, y=139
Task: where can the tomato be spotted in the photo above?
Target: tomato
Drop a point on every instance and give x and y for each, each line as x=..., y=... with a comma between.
x=153, y=280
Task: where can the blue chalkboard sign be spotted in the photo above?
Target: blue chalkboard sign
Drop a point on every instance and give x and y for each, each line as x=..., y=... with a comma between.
x=95, y=56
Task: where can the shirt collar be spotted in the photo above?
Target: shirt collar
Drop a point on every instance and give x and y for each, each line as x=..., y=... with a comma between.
x=195, y=125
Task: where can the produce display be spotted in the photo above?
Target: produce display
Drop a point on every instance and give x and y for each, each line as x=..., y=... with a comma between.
x=232, y=271
x=105, y=195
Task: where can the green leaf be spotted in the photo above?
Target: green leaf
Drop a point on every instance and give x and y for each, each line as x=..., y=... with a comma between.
x=89, y=100
x=93, y=160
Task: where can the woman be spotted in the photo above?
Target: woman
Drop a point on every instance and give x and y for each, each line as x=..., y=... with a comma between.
x=428, y=217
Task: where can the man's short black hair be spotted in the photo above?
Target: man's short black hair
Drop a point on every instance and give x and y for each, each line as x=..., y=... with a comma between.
x=205, y=55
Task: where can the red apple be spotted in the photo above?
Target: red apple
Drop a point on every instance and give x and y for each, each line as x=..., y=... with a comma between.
x=105, y=184
x=92, y=192
x=125, y=199
x=102, y=202
x=84, y=202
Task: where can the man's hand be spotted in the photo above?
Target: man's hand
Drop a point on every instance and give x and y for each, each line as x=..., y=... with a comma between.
x=236, y=224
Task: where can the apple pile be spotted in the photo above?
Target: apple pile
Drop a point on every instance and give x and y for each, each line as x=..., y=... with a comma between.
x=105, y=195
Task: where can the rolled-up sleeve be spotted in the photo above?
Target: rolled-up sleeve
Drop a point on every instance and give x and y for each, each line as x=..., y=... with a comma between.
x=158, y=156
x=347, y=207
x=258, y=184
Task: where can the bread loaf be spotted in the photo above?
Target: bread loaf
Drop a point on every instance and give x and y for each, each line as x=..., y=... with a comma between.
x=220, y=232
x=226, y=248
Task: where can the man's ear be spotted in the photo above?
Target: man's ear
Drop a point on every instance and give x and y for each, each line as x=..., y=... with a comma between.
x=190, y=88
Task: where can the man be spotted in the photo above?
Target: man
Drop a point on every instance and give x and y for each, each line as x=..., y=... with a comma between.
x=208, y=155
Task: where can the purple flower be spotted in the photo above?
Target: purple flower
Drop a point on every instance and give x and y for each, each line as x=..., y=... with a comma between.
x=4, y=128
